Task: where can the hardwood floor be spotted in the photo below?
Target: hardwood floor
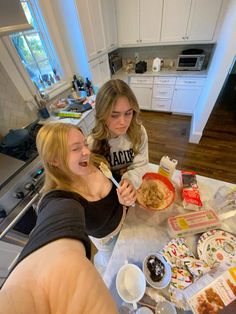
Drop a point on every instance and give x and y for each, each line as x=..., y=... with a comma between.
x=214, y=156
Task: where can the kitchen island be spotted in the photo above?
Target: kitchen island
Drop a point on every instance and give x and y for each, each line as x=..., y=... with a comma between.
x=145, y=232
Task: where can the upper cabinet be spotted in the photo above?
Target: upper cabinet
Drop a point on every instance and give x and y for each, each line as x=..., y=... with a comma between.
x=139, y=21
x=109, y=20
x=189, y=20
x=91, y=20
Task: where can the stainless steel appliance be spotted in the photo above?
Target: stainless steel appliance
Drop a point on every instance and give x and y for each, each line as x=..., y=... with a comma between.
x=190, y=62
x=21, y=182
x=115, y=63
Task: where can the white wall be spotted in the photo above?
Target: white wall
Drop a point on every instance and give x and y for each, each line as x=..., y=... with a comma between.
x=220, y=66
x=71, y=35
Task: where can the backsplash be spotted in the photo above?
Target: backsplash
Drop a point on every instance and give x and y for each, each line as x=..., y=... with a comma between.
x=163, y=52
x=14, y=113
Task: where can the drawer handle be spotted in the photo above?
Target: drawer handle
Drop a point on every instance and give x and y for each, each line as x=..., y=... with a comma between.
x=191, y=82
x=99, y=51
x=163, y=92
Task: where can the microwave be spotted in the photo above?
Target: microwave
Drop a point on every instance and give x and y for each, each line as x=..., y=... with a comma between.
x=190, y=62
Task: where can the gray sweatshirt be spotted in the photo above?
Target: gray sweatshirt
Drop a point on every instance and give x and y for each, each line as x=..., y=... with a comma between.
x=122, y=159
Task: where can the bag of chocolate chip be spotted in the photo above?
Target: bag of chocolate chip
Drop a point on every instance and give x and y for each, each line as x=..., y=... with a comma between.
x=190, y=193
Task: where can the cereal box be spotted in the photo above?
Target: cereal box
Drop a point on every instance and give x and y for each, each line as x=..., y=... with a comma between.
x=215, y=296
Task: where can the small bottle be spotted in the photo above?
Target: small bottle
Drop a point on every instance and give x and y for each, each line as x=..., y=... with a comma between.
x=167, y=166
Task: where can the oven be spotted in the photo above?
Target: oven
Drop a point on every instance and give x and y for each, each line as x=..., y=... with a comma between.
x=21, y=182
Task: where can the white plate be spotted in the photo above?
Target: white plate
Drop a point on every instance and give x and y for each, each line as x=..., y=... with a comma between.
x=217, y=246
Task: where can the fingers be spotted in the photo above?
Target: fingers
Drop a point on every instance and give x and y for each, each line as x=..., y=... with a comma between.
x=126, y=193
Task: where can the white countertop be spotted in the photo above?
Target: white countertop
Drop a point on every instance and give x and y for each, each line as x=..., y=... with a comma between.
x=121, y=74
x=145, y=232
x=54, y=118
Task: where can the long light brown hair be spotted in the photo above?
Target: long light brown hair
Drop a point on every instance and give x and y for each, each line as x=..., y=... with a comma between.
x=106, y=98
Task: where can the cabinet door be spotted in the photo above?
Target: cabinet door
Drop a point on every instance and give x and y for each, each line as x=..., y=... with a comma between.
x=203, y=19
x=185, y=98
x=91, y=20
x=96, y=72
x=128, y=21
x=105, y=69
x=97, y=23
x=143, y=94
x=110, y=26
x=87, y=27
x=150, y=13
x=175, y=20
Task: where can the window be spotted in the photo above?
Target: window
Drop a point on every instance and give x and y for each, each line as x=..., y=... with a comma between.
x=35, y=50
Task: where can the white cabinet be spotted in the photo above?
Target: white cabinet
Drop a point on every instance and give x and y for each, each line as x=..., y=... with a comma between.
x=100, y=70
x=189, y=20
x=110, y=23
x=142, y=88
x=91, y=20
x=186, y=94
x=203, y=18
x=139, y=21
x=163, y=89
x=90, y=121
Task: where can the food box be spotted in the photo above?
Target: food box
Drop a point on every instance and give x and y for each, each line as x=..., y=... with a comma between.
x=192, y=223
x=190, y=192
x=215, y=296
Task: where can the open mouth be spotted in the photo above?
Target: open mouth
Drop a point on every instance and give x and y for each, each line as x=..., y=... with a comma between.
x=83, y=164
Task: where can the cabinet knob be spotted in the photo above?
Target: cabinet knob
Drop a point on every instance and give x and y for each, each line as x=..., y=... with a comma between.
x=183, y=37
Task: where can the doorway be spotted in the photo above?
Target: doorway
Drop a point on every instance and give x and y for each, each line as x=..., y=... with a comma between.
x=223, y=115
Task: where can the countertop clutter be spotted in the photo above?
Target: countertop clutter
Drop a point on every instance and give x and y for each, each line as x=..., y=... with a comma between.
x=75, y=111
x=146, y=232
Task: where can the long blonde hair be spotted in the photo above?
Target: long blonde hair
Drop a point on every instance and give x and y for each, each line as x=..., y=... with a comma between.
x=52, y=145
x=106, y=98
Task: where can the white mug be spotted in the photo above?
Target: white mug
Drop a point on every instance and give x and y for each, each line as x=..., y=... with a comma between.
x=130, y=284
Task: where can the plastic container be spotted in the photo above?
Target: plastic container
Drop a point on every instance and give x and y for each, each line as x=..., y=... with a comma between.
x=167, y=167
x=165, y=307
x=193, y=223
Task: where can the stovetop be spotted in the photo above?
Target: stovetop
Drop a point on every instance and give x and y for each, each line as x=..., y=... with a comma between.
x=15, y=157
x=26, y=150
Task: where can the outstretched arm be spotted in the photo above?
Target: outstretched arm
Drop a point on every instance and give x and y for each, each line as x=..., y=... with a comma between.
x=57, y=278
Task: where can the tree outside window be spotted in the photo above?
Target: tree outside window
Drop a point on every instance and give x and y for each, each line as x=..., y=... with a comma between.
x=32, y=50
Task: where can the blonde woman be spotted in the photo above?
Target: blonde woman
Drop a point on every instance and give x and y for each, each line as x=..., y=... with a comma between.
x=78, y=201
x=118, y=134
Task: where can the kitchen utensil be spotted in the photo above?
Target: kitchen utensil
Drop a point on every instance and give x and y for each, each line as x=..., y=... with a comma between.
x=107, y=173
x=141, y=67
x=156, y=65
x=130, y=284
x=217, y=246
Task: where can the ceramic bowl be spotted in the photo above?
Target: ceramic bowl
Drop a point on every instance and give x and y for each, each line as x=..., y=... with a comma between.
x=167, y=189
x=167, y=275
x=130, y=283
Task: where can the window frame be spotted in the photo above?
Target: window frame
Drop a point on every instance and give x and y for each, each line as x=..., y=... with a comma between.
x=16, y=70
